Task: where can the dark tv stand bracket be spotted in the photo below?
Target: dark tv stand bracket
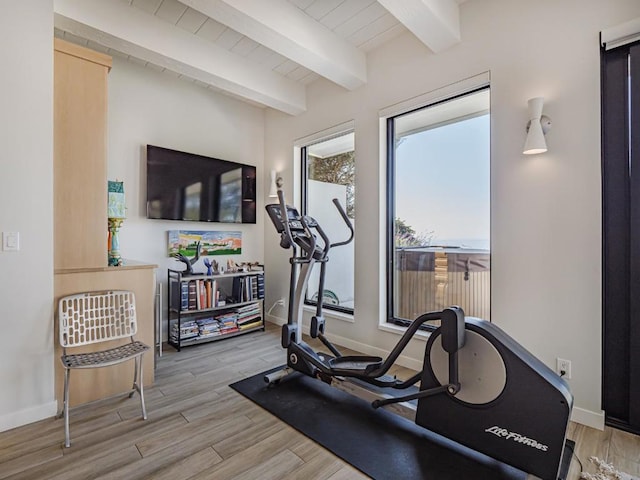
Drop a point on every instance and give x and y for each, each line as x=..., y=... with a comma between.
x=205, y=308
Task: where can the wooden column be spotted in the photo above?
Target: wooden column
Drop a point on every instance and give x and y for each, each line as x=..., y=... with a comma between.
x=80, y=156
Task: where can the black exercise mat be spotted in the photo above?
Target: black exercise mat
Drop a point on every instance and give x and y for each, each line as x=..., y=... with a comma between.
x=379, y=443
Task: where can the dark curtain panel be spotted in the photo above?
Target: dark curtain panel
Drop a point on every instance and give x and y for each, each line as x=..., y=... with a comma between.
x=621, y=236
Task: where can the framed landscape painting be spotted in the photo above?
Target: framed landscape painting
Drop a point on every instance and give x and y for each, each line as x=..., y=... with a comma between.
x=211, y=243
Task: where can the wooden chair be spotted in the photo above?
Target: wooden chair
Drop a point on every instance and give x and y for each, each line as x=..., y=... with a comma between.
x=93, y=318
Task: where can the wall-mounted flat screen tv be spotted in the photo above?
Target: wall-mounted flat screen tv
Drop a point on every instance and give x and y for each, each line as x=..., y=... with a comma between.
x=195, y=188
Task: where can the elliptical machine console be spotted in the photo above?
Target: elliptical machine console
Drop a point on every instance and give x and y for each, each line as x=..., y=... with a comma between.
x=478, y=386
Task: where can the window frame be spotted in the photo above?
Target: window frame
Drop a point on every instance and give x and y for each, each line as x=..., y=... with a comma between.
x=389, y=204
x=304, y=171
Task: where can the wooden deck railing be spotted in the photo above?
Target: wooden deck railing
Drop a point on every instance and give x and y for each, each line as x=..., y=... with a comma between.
x=433, y=279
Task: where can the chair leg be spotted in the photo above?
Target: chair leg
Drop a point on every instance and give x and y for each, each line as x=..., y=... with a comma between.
x=135, y=377
x=141, y=389
x=65, y=407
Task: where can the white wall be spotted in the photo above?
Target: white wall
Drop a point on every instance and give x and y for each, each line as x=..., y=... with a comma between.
x=26, y=206
x=150, y=107
x=546, y=238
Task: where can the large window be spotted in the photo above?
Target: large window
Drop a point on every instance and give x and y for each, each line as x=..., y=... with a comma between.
x=438, y=209
x=328, y=173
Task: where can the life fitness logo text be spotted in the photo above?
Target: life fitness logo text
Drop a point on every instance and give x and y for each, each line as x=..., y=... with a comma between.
x=516, y=437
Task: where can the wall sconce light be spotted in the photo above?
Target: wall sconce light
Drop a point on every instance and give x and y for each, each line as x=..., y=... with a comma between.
x=275, y=183
x=537, y=128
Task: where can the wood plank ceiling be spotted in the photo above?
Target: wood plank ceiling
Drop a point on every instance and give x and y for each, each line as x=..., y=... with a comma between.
x=264, y=52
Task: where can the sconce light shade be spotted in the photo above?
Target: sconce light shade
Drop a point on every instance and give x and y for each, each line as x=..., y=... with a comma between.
x=536, y=128
x=273, y=190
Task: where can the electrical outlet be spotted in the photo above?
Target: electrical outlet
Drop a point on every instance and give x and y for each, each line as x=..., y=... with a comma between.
x=10, y=241
x=563, y=368
x=278, y=303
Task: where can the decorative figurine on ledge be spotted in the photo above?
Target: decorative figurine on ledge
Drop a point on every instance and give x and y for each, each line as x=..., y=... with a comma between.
x=207, y=263
x=188, y=262
x=217, y=268
x=231, y=266
x=113, y=249
x=250, y=266
x=115, y=216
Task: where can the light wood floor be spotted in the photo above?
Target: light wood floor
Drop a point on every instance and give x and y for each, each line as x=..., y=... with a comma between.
x=198, y=428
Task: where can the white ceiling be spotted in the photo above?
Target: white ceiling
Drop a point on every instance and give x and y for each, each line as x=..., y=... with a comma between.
x=264, y=52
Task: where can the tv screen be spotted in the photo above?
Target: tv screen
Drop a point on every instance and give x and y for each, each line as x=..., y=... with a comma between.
x=190, y=187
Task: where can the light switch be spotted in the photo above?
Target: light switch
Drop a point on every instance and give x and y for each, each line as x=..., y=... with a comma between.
x=11, y=241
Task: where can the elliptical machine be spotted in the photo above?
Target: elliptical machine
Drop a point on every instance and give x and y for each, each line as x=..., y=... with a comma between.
x=478, y=386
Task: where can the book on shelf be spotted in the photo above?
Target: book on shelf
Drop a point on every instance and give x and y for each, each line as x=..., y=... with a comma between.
x=249, y=319
x=216, y=333
x=248, y=288
x=215, y=293
x=247, y=308
x=207, y=285
x=247, y=326
x=206, y=321
x=208, y=327
x=236, y=290
x=254, y=287
x=226, y=331
x=203, y=295
x=227, y=319
x=193, y=294
x=260, y=285
x=184, y=296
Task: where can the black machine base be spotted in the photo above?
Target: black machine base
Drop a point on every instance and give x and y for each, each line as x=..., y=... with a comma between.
x=514, y=408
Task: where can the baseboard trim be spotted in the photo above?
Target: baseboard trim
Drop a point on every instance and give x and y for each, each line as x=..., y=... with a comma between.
x=28, y=415
x=588, y=418
x=275, y=320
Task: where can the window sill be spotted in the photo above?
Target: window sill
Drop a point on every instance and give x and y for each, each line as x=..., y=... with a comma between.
x=332, y=314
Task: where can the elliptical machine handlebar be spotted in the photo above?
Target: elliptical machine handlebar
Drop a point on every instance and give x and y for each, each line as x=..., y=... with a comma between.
x=285, y=223
x=325, y=239
x=344, y=216
x=308, y=241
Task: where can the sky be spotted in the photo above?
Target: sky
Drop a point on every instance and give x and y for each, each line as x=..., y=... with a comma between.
x=443, y=181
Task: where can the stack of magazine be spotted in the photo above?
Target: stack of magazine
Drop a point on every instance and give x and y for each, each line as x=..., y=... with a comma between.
x=249, y=316
x=188, y=329
x=208, y=327
x=228, y=322
x=242, y=318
